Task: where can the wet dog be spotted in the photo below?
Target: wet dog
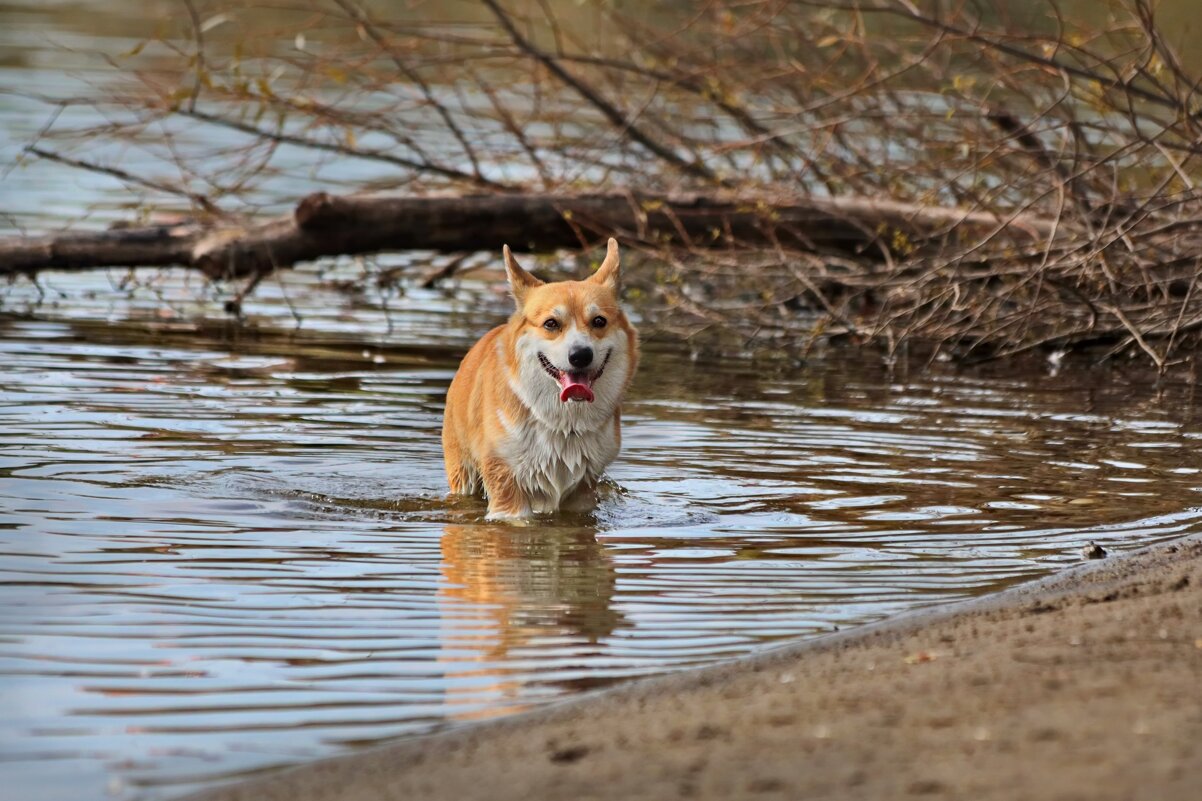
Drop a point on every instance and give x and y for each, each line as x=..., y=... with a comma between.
x=533, y=415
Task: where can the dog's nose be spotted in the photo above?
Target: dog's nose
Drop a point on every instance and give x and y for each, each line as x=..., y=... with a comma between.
x=581, y=357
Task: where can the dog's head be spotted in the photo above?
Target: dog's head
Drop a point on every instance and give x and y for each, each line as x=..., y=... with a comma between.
x=572, y=342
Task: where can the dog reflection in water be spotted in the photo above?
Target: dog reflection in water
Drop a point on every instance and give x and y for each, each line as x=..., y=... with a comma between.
x=504, y=589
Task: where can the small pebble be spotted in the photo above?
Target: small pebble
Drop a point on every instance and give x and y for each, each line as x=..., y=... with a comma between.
x=1093, y=551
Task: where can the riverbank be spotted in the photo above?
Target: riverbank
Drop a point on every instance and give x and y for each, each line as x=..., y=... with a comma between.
x=1084, y=685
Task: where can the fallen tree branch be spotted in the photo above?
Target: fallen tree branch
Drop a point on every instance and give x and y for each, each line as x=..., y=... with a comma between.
x=326, y=225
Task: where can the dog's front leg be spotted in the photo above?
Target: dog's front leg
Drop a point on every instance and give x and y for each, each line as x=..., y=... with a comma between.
x=506, y=500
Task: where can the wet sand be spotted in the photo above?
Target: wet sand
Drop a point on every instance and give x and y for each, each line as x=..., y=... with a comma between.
x=1087, y=685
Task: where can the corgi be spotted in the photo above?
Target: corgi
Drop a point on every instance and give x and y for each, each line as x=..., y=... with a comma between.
x=533, y=415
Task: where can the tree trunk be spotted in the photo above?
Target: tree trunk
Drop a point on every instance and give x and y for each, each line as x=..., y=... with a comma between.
x=327, y=225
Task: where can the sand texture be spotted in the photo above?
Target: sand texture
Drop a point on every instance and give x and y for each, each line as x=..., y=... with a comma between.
x=1084, y=686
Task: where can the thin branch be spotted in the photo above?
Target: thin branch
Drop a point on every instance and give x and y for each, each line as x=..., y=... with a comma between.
x=607, y=109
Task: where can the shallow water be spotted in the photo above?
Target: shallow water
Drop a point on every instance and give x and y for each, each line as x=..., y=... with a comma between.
x=227, y=548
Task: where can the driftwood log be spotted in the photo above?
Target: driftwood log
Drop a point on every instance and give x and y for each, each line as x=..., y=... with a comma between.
x=326, y=225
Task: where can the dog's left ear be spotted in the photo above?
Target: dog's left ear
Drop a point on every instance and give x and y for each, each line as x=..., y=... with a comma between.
x=520, y=281
x=610, y=271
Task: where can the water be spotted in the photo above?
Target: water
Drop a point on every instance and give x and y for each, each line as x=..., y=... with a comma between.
x=225, y=546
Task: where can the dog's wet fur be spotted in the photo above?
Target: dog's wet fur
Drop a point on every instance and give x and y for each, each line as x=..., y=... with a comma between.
x=533, y=415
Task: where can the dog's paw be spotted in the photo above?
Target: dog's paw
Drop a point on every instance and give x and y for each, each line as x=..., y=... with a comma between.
x=512, y=518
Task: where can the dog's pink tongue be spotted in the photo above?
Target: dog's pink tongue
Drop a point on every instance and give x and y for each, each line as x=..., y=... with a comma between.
x=573, y=388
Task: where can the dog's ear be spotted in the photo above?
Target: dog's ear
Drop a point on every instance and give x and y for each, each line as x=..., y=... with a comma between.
x=610, y=272
x=520, y=281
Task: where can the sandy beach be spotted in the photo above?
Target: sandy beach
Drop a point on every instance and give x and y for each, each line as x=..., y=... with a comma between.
x=1087, y=685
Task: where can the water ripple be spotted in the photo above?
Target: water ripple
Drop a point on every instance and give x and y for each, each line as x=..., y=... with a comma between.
x=218, y=557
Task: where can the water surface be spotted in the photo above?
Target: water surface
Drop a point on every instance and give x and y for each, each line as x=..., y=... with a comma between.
x=226, y=547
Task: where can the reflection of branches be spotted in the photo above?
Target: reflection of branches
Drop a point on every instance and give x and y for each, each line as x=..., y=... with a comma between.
x=1093, y=131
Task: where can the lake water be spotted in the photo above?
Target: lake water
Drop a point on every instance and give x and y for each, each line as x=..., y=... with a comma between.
x=225, y=546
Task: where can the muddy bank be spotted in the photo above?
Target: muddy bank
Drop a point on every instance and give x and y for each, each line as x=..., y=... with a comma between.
x=1084, y=686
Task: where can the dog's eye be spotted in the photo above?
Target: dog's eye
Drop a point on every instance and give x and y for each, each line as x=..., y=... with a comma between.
x=551, y=324
x=599, y=321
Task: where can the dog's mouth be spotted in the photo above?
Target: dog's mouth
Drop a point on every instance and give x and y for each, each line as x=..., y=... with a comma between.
x=574, y=385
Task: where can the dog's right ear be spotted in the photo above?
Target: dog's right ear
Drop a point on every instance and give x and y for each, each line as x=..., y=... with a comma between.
x=520, y=281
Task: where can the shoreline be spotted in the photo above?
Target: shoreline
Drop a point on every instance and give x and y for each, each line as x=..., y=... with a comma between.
x=1084, y=684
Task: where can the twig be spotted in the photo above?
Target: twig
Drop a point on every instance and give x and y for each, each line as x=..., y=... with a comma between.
x=199, y=37
x=607, y=109
x=127, y=177
x=358, y=14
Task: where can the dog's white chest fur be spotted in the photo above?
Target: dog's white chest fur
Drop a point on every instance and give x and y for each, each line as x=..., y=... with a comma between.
x=560, y=445
x=550, y=464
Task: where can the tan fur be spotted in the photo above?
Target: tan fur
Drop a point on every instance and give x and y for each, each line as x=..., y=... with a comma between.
x=500, y=415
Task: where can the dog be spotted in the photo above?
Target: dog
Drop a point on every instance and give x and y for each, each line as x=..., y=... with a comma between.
x=533, y=415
